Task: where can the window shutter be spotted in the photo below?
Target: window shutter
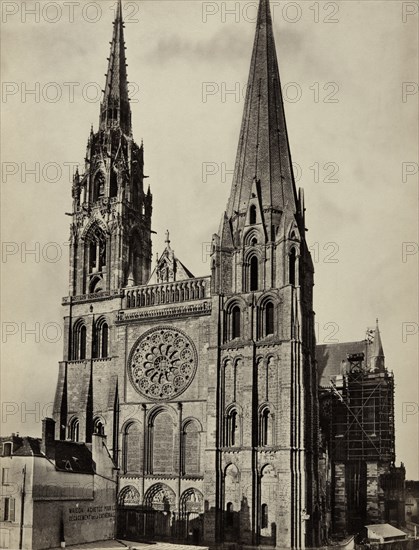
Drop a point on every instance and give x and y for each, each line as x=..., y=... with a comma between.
x=2, y=508
x=12, y=509
x=5, y=476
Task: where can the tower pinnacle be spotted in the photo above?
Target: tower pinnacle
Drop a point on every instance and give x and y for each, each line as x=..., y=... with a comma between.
x=115, y=109
x=377, y=357
x=263, y=153
x=111, y=188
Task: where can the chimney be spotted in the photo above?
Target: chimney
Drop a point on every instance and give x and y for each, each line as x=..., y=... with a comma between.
x=48, y=438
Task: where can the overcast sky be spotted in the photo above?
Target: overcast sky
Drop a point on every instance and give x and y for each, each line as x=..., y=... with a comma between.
x=344, y=69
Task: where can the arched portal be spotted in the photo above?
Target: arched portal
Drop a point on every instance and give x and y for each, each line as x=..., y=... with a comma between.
x=160, y=497
x=129, y=496
x=191, y=516
x=129, y=514
x=160, y=511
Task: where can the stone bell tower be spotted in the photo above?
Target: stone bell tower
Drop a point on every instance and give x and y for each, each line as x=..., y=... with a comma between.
x=110, y=244
x=263, y=273
x=110, y=249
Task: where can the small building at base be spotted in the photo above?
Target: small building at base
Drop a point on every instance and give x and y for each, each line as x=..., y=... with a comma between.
x=55, y=491
x=384, y=533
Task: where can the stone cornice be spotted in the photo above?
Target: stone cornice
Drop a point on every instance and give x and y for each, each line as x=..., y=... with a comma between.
x=99, y=296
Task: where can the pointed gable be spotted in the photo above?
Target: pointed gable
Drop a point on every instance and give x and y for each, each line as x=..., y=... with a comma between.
x=225, y=233
x=254, y=217
x=169, y=268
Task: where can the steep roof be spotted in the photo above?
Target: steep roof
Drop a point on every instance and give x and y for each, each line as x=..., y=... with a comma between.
x=69, y=456
x=332, y=359
x=73, y=457
x=23, y=446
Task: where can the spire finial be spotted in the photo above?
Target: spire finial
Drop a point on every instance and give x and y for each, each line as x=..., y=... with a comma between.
x=167, y=241
x=119, y=11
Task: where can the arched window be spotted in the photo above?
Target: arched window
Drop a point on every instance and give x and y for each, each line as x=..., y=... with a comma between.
x=82, y=342
x=269, y=318
x=101, y=339
x=79, y=341
x=264, y=516
x=265, y=430
x=105, y=338
x=136, y=257
x=254, y=274
x=235, y=322
x=113, y=183
x=98, y=427
x=96, y=258
x=230, y=381
x=252, y=214
x=98, y=186
x=292, y=258
x=232, y=429
x=162, y=447
x=92, y=255
x=190, y=448
x=132, y=448
x=74, y=430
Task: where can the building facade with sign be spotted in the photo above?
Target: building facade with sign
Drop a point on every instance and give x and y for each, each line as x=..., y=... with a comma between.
x=205, y=387
x=55, y=491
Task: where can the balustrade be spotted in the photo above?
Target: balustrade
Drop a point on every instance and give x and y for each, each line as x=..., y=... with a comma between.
x=167, y=293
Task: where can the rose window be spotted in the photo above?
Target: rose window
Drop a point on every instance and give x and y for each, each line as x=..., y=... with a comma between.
x=162, y=363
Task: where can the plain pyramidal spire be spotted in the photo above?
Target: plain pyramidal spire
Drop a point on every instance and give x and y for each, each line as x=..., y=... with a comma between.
x=378, y=345
x=263, y=153
x=115, y=109
x=377, y=355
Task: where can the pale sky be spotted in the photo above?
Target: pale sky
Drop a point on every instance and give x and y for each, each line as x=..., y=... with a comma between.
x=344, y=66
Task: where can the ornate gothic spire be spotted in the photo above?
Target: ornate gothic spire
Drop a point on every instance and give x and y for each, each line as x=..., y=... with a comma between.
x=263, y=153
x=115, y=111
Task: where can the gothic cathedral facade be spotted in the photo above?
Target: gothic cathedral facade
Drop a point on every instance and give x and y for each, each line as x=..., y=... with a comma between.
x=205, y=388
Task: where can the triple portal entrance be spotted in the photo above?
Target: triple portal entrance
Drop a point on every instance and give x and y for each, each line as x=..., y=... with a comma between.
x=160, y=517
